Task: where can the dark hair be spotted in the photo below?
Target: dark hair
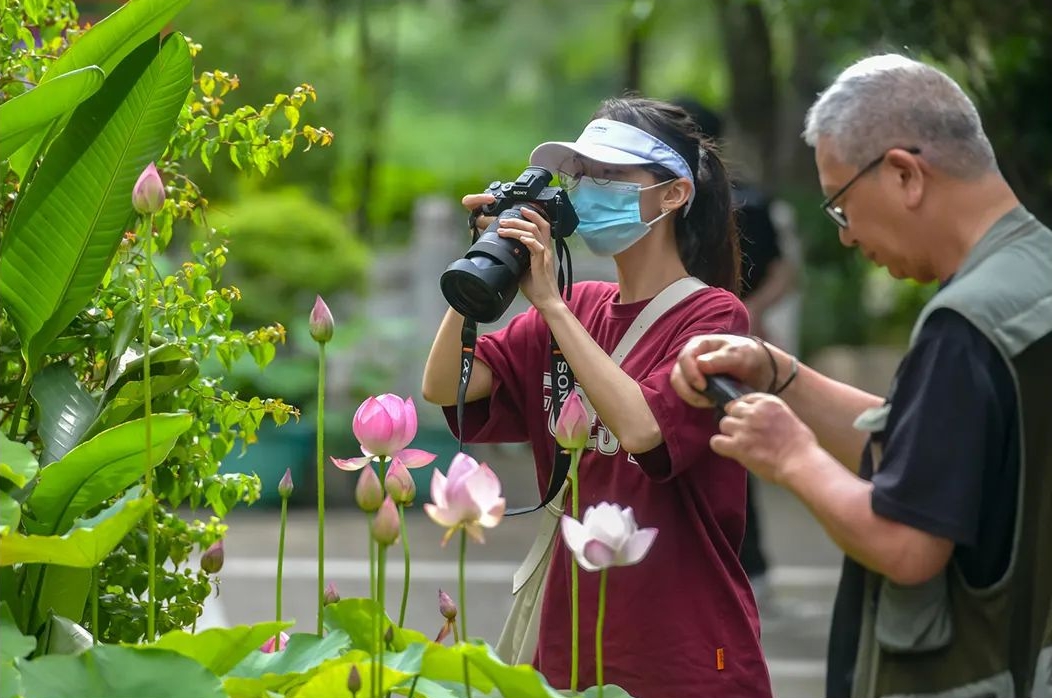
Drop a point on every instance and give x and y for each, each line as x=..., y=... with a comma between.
x=708, y=121
x=706, y=237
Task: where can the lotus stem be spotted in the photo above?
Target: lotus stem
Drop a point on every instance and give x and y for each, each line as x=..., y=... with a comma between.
x=405, y=570
x=321, y=484
x=147, y=393
x=599, y=634
x=281, y=564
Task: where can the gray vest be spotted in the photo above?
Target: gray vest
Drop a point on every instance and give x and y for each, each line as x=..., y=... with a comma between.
x=943, y=638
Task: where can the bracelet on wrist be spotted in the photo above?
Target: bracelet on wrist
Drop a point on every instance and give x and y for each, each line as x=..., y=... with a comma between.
x=770, y=357
x=794, y=368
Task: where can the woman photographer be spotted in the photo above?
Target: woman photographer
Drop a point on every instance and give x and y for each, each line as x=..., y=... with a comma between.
x=654, y=197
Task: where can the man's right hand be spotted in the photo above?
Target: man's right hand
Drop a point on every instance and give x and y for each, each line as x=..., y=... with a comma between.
x=741, y=357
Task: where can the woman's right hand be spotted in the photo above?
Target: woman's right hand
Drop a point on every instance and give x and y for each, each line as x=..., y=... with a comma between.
x=741, y=357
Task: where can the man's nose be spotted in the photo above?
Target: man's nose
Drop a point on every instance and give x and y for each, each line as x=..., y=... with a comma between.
x=845, y=238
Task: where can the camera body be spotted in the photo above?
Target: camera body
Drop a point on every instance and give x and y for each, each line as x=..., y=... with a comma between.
x=482, y=284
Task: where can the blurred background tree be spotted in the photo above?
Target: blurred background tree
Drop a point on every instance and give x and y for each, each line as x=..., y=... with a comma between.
x=442, y=96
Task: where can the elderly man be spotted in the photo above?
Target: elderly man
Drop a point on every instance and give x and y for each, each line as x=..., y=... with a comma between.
x=940, y=494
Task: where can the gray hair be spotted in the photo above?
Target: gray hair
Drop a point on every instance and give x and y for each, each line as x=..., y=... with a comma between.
x=891, y=101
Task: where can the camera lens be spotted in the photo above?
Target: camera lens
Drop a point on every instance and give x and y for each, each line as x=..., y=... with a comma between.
x=482, y=284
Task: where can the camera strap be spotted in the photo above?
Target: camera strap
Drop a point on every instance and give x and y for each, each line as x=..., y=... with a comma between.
x=562, y=375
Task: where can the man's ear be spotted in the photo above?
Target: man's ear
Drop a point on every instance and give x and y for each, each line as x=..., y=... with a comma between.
x=911, y=175
x=677, y=194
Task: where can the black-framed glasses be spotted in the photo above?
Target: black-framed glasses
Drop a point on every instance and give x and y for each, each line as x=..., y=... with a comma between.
x=836, y=213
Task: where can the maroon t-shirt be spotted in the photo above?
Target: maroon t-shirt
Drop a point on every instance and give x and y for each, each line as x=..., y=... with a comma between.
x=683, y=622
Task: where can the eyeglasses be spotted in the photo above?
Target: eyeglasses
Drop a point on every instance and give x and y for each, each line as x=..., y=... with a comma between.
x=836, y=213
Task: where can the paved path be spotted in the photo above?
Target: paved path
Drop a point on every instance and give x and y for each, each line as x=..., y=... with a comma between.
x=795, y=623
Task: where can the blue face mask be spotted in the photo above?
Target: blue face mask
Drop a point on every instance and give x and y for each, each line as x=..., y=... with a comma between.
x=609, y=213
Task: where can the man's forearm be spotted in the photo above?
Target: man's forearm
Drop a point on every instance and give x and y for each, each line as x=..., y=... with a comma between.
x=828, y=407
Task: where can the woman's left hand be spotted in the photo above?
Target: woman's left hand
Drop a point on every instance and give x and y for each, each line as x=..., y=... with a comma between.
x=763, y=434
x=534, y=232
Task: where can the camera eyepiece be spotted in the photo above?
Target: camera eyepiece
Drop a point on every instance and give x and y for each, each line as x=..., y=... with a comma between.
x=483, y=283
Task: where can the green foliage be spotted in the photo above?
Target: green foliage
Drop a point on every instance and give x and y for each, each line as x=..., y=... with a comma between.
x=290, y=247
x=71, y=355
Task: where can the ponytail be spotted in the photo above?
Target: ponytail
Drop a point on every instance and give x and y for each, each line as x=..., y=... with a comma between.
x=707, y=236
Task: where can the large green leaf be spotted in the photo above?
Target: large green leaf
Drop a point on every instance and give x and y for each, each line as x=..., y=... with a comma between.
x=13, y=644
x=355, y=616
x=303, y=657
x=99, y=469
x=10, y=681
x=29, y=112
x=65, y=410
x=104, y=45
x=89, y=541
x=17, y=463
x=220, y=649
x=331, y=682
x=171, y=368
x=68, y=223
x=118, y=672
x=10, y=513
x=54, y=594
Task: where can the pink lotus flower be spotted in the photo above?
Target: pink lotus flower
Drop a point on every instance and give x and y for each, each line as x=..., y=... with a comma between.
x=148, y=194
x=468, y=497
x=321, y=323
x=268, y=646
x=399, y=483
x=369, y=493
x=384, y=426
x=574, y=425
x=386, y=525
x=607, y=537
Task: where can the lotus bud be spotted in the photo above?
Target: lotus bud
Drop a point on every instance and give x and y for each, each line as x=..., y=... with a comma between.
x=321, y=324
x=148, y=194
x=285, y=486
x=270, y=646
x=446, y=606
x=331, y=595
x=212, y=559
x=369, y=493
x=389, y=635
x=571, y=430
x=354, y=680
x=399, y=483
x=385, y=525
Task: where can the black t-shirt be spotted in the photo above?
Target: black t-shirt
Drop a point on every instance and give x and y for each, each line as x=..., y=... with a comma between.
x=950, y=466
x=759, y=239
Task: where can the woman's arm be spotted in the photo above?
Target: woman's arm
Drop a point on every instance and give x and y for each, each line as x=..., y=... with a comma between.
x=442, y=370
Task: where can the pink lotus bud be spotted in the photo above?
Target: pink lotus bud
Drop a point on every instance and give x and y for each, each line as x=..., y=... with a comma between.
x=384, y=425
x=321, y=323
x=354, y=680
x=331, y=595
x=386, y=526
x=268, y=647
x=446, y=606
x=608, y=536
x=571, y=431
x=212, y=559
x=148, y=194
x=399, y=483
x=467, y=497
x=285, y=486
x=369, y=493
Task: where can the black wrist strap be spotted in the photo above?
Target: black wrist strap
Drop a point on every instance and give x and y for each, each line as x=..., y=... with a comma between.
x=562, y=384
x=468, y=335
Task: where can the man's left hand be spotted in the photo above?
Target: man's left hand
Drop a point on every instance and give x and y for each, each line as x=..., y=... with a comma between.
x=763, y=434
